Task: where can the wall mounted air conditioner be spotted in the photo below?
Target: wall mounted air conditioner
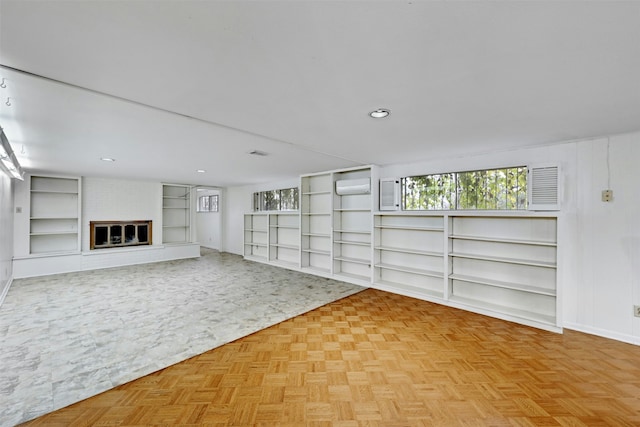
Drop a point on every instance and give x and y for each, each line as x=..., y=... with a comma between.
x=544, y=187
x=389, y=194
x=353, y=186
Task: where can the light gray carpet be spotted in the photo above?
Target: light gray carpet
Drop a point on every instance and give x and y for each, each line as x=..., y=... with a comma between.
x=70, y=336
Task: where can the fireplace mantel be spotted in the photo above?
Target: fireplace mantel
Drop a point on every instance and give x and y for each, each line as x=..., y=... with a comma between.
x=117, y=234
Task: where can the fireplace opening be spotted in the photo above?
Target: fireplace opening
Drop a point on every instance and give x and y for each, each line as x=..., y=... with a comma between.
x=114, y=234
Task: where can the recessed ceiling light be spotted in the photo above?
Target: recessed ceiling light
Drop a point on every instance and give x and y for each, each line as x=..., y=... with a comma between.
x=201, y=171
x=107, y=159
x=380, y=113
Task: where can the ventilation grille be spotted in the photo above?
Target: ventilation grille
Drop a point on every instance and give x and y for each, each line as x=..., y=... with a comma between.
x=543, y=188
x=389, y=194
x=257, y=153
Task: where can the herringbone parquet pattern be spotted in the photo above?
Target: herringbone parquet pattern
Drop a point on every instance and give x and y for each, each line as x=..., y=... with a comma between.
x=378, y=359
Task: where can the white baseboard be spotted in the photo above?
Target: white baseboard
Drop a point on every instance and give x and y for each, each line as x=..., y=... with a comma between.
x=44, y=265
x=5, y=290
x=631, y=339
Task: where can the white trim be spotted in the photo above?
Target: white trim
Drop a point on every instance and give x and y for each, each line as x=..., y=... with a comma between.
x=102, y=258
x=520, y=213
x=604, y=333
x=5, y=291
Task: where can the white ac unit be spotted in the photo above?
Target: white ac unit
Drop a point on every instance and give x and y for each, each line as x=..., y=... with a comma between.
x=389, y=194
x=353, y=186
x=544, y=187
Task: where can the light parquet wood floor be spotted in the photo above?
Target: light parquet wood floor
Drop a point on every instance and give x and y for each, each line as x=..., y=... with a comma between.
x=379, y=359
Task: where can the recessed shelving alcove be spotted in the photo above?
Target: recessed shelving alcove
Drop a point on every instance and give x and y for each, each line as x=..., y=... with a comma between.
x=54, y=215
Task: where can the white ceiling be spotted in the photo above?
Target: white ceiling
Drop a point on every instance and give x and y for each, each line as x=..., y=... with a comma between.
x=168, y=87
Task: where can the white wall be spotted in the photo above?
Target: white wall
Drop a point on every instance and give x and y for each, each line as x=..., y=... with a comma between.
x=21, y=201
x=238, y=202
x=607, y=281
x=121, y=200
x=6, y=234
x=598, y=242
x=209, y=224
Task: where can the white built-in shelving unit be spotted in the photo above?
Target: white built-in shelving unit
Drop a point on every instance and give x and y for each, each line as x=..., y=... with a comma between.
x=52, y=233
x=315, y=222
x=505, y=264
x=176, y=213
x=284, y=238
x=273, y=237
x=498, y=263
x=409, y=253
x=54, y=221
x=256, y=236
x=352, y=225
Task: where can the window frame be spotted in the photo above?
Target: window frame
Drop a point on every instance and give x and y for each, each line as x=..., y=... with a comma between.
x=465, y=189
x=272, y=200
x=212, y=204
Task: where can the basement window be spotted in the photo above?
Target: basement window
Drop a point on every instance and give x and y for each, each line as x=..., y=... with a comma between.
x=285, y=199
x=208, y=203
x=489, y=189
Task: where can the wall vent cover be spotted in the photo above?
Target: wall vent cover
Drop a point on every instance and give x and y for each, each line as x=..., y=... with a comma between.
x=544, y=188
x=389, y=194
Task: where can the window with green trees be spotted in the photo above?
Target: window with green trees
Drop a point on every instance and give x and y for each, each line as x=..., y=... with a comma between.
x=285, y=199
x=504, y=189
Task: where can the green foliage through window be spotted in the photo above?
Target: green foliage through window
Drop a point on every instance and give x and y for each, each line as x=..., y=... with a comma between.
x=276, y=200
x=494, y=189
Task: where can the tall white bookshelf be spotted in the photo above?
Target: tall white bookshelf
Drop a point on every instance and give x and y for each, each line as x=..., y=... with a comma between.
x=176, y=213
x=54, y=220
x=352, y=224
x=315, y=222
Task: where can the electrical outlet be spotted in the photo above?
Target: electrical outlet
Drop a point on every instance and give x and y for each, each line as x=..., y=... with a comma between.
x=607, y=195
x=636, y=310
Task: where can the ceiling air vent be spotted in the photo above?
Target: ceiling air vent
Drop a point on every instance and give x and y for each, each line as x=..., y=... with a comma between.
x=544, y=188
x=257, y=153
